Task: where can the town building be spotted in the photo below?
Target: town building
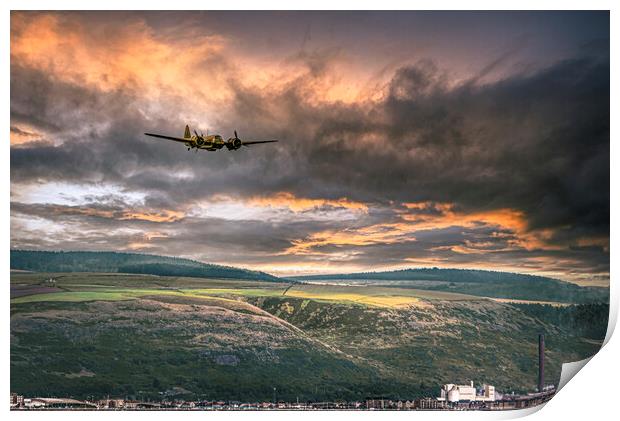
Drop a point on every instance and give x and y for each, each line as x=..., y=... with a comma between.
x=466, y=393
x=17, y=401
x=111, y=403
x=430, y=403
x=378, y=403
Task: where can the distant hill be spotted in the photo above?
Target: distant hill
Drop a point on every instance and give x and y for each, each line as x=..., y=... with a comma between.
x=477, y=282
x=111, y=262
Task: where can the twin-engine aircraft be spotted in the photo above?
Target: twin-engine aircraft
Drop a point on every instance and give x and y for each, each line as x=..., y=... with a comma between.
x=209, y=142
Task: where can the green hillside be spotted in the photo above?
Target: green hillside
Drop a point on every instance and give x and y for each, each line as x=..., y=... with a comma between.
x=475, y=282
x=89, y=334
x=111, y=262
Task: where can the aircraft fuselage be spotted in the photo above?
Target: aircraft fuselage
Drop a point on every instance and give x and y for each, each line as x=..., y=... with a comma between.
x=209, y=142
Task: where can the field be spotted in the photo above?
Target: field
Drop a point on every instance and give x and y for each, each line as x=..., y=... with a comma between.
x=26, y=288
x=147, y=336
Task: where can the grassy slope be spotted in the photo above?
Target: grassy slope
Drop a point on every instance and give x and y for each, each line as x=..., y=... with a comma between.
x=224, y=339
x=142, y=347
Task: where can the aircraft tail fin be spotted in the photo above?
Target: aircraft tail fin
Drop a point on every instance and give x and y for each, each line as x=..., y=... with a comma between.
x=187, y=134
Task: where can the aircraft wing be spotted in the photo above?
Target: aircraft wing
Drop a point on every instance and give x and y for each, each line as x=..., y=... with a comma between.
x=254, y=142
x=176, y=139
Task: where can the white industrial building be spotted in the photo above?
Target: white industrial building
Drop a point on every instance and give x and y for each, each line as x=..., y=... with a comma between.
x=460, y=392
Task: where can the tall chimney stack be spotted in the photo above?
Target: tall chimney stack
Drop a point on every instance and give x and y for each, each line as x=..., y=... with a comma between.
x=541, y=362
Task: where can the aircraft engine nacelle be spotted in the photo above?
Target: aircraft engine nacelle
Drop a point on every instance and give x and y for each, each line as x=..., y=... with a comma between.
x=233, y=143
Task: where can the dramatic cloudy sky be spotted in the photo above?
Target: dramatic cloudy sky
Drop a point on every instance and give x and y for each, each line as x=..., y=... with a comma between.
x=472, y=140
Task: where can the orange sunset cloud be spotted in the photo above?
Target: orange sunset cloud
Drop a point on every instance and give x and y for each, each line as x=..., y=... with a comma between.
x=509, y=220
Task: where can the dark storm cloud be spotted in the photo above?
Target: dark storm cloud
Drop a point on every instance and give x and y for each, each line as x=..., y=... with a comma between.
x=535, y=142
x=538, y=143
x=530, y=142
x=99, y=138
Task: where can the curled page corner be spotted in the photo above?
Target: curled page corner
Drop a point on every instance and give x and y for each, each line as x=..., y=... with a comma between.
x=569, y=370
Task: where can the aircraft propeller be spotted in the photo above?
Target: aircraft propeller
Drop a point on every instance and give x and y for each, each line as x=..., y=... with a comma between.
x=236, y=141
